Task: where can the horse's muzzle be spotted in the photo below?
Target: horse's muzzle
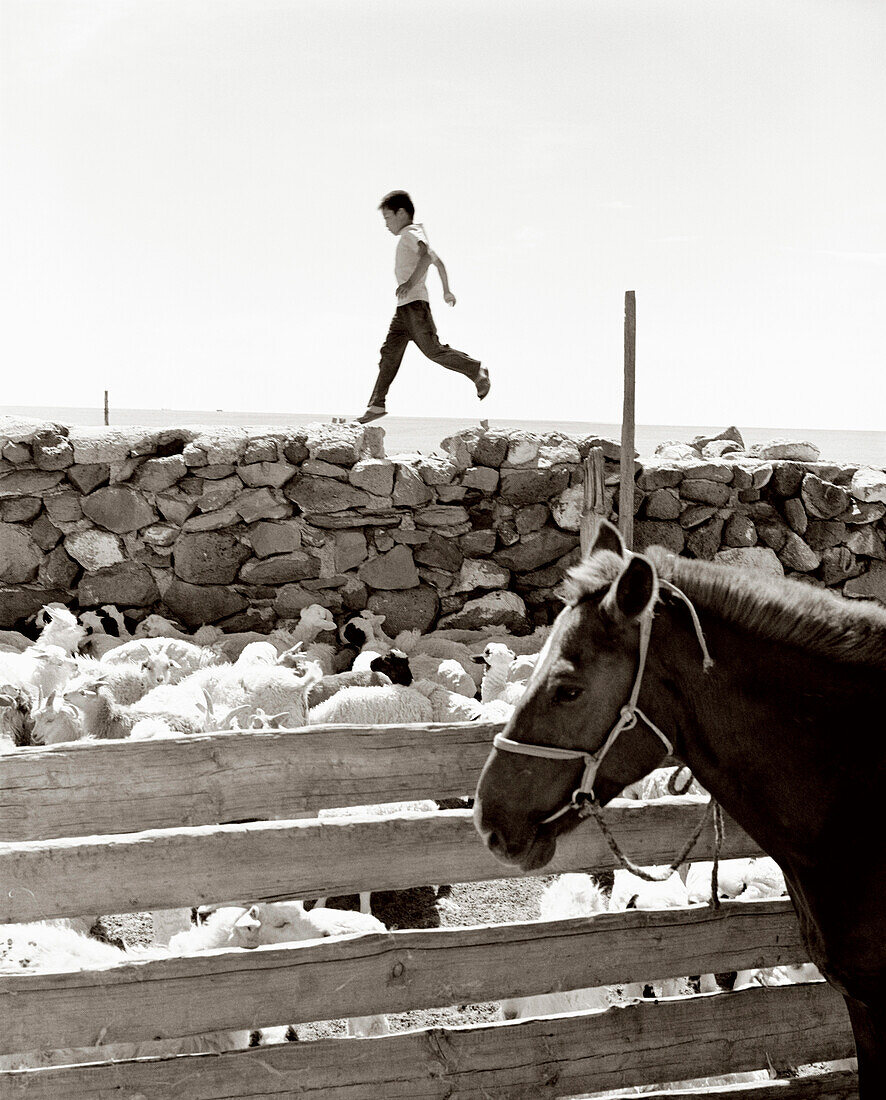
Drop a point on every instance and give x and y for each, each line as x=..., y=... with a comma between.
x=528, y=850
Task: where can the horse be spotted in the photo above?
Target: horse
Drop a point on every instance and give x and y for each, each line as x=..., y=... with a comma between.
x=770, y=690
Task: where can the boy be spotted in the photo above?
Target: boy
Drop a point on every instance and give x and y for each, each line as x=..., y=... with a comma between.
x=412, y=317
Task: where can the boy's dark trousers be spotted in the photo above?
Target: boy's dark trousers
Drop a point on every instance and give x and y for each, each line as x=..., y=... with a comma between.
x=413, y=321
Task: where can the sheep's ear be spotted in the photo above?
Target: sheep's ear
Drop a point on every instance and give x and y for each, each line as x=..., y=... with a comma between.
x=250, y=921
x=633, y=592
x=608, y=537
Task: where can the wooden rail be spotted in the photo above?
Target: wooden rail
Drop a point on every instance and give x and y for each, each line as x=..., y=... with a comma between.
x=674, y=1039
x=397, y=972
x=74, y=789
x=164, y=868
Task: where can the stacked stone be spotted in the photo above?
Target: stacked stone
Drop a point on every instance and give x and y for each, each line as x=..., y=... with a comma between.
x=775, y=508
x=246, y=528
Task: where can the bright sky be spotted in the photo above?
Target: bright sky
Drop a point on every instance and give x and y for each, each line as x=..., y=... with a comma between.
x=189, y=197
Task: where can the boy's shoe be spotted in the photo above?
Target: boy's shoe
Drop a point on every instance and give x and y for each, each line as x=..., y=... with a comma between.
x=483, y=384
x=374, y=412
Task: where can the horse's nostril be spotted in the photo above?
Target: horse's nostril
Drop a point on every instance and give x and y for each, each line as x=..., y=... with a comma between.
x=494, y=841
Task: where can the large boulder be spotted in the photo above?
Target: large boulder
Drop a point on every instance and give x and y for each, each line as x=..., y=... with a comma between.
x=791, y=449
x=126, y=584
x=821, y=498
x=415, y=609
x=19, y=556
x=392, y=570
x=375, y=475
x=196, y=604
x=870, y=585
x=532, y=485
x=94, y=549
x=325, y=494
x=535, y=549
x=868, y=484
x=500, y=609
x=21, y=603
x=118, y=509
x=281, y=568
x=752, y=557
x=28, y=483
x=211, y=557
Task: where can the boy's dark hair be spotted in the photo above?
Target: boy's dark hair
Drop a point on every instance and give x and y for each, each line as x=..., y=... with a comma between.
x=397, y=200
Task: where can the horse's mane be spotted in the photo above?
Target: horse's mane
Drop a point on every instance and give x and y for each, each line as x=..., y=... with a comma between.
x=779, y=609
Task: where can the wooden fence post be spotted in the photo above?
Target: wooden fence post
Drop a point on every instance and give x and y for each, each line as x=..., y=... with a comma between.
x=593, y=504
x=626, y=484
x=106, y=407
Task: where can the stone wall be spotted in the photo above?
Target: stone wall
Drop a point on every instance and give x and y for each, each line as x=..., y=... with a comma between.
x=244, y=528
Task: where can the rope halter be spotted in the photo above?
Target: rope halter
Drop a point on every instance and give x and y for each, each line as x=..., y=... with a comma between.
x=583, y=795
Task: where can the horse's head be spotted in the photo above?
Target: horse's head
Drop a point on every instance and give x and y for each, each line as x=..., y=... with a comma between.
x=575, y=700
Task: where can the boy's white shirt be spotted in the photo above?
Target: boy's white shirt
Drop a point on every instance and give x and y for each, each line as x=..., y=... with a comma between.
x=405, y=260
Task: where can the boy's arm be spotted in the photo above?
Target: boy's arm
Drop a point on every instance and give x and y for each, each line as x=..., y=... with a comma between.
x=448, y=296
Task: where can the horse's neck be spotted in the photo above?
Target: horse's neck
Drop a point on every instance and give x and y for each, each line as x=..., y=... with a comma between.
x=751, y=734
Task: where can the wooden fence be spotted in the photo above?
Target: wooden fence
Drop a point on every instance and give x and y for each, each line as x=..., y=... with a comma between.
x=129, y=826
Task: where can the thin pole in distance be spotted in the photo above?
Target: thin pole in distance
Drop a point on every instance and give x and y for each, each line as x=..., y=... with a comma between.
x=626, y=484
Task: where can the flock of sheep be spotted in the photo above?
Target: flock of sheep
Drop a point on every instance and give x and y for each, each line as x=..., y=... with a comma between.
x=90, y=678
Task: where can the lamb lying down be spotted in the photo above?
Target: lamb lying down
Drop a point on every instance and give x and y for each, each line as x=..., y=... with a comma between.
x=280, y=922
x=49, y=947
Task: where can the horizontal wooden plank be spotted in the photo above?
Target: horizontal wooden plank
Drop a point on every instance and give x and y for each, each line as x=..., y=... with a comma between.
x=397, y=972
x=86, y=788
x=164, y=868
x=834, y=1085
x=674, y=1039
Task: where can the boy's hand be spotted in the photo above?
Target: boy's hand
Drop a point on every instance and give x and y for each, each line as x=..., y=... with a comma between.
x=403, y=289
x=449, y=297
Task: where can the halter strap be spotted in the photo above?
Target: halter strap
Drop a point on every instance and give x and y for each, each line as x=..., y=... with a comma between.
x=583, y=794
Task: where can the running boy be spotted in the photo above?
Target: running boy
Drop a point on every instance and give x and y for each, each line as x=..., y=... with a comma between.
x=412, y=317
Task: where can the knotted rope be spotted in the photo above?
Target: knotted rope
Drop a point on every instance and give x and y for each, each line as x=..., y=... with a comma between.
x=712, y=810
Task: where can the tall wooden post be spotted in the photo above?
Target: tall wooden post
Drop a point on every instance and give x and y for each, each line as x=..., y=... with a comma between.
x=626, y=484
x=106, y=406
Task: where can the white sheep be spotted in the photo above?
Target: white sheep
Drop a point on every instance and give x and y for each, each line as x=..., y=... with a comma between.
x=99, y=717
x=184, y=656
x=498, y=659
x=313, y=621
x=655, y=785
x=414, y=644
x=445, y=671
x=390, y=704
x=448, y=706
x=569, y=895
x=629, y=891
x=278, y=922
x=53, y=947
x=102, y=636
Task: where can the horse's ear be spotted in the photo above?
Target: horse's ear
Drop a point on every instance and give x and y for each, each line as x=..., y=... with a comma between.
x=608, y=537
x=633, y=593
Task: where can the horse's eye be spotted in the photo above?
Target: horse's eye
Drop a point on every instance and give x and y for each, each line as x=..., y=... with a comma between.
x=566, y=693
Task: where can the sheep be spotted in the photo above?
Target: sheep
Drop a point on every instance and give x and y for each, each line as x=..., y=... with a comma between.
x=16, y=719
x=313, y=620
x=445, y=671
x=61, y=628
x=52, y=947
x=329, y=685
x=365, y=632
x=449, y=706
x=245, y=689
x=126, y=683
x=390, y=704
x=656, y=785
x=267, y=923
x=629, y=891
x=101, y=718
x=106, y=629
x=498, y=659
x=570, y=895
x=40, y=669
x=184, y=656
